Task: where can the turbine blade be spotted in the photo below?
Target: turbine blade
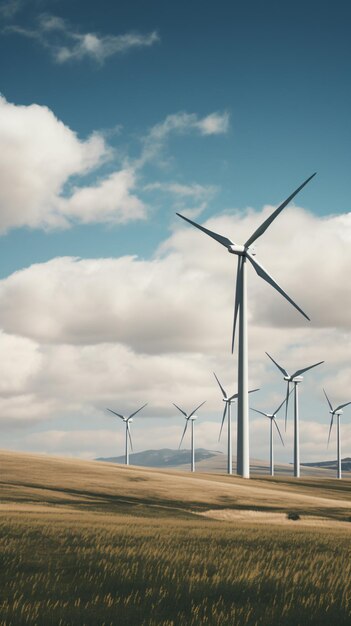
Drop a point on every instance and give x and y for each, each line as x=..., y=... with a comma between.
x=118, y=414
x=179, y=409
x=264, y=274
x=184, y=431
x=261, y=229
x=223, y=240
x=279, y=433
x=341, y=406
x=330, y=406
x=280, y=406
x=223, y=392
x=283, y=371
x=305, y=369
x=135, y=412
x=235, y=395
x=130, y=437
x=223, y=420
x=330, y=428
x=194, y=411
x=257, y=411
x=287, y=403
x=237, y=299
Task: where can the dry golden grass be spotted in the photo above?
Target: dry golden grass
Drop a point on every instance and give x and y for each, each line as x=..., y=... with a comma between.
x=28, y=478
x=93, y=544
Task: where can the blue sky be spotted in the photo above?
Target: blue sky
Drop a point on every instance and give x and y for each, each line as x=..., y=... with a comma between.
x=279, y=69
x=210, y=108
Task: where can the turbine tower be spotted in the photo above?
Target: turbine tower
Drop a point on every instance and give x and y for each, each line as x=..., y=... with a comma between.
x=294, y=378
x=336, y=413
x=246, y=253
x=190, y=418
x=272, y=417
x=127, y=420
x=227, y=411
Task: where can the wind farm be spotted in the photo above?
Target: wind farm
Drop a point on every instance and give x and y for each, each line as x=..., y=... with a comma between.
x=175, y=328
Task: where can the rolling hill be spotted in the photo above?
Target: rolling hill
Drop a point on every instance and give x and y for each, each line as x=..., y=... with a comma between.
x=162, y=458
x=28, y=480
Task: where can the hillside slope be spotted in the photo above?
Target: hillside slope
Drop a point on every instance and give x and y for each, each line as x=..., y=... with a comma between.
x=29, y=480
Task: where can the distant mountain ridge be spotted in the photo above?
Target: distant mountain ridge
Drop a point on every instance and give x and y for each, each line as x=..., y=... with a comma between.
x=162, y=458
x=345, y=464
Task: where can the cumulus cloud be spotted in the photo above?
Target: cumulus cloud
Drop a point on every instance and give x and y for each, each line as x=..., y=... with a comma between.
x=40, y=156
x=44, y=168
x=185, y=293
x=94, y=333
x=66, y=44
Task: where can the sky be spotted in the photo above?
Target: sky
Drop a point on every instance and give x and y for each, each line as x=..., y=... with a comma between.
x=115, y=116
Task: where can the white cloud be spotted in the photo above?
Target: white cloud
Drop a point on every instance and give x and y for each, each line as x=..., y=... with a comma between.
x=110, y=201
x=93, y=333
x=185, y=293
x=194, y=190
x=66, y=44
x=39, y=157
x=44, y=168
x=181, y=123
x=214, y=124
x=19, y=364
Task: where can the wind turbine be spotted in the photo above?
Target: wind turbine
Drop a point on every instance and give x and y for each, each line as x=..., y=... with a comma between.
x=336, y=413
x=227, y=411
x=190, y=418
x=294, y=378
x=127, y=420
x=272, y=417
x=246, y=252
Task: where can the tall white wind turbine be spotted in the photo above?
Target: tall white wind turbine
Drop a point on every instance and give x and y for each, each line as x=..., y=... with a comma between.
x=227, y=412
x=294, y=378
x=128, y=439
x=246, y=252
x=272, y=417
x=191, y=417
x=336, y=413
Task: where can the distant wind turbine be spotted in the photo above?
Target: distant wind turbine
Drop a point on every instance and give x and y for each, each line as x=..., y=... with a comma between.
x=246, y=252
x=227, y=411
x=336, y=413
x=190, y=418
x=127, y=420
x=272, y=417
x=294, y=378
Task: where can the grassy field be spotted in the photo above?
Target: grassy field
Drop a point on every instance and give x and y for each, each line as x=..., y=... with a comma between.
x=88, y=543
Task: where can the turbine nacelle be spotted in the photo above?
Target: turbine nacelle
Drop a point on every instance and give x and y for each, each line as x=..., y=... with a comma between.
x=241, y=250
x=192, y=418
x=295, y=379
x=339, y=412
